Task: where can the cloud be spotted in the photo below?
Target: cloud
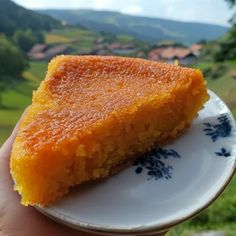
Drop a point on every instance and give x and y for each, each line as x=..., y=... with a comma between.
x=31, y=4
x=133, y=10
x=103, y=4
x=169, y=10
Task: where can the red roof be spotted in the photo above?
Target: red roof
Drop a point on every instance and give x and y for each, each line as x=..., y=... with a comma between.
x=169, y=53
x=38, y=52
x=37, y=56
x=38, y=48
x=196, y=47
x=114, y=46
x=155, y=54
x=59, y=49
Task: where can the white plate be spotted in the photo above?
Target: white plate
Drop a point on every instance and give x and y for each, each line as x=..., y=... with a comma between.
x=183, y=179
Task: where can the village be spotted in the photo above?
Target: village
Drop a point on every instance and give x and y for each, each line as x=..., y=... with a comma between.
x=164, y=51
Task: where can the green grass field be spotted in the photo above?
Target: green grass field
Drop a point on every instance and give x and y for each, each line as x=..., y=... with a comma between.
x=81, y=40
x=16, y=99
x=221, y=215
x=38, y=69
x=223, y=85
x=55, y=38
x=15, y=102
x=124, y=38
x=77, y=39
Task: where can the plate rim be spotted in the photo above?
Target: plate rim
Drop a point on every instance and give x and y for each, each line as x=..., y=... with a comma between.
x=144, y=230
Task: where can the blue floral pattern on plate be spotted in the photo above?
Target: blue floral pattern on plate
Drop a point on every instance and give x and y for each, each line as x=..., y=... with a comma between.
x=223, y=152
x=155, y=165
x=220, y=130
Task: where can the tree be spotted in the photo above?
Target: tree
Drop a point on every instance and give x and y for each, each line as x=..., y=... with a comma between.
x=232, y=4
x=26, y=39
x=12, y=63
x=226, y=48
x=14, y=17
x=40, y=37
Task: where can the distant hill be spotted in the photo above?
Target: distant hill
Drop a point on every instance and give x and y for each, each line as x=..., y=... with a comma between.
x=143, y=28
x=14, y=17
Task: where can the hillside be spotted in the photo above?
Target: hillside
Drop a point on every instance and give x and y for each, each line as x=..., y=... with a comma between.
x=14, y=17
x=143, y=28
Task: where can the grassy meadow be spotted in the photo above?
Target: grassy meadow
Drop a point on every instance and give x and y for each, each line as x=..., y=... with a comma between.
x=77, y=39
x=82, y=40
x=18, y=96
x=221, y=215
x=220, y=80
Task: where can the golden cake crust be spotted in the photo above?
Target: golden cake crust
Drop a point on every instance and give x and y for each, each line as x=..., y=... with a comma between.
x=95, y=88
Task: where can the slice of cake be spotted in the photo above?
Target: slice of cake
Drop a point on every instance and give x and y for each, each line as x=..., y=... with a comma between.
x=93, y=115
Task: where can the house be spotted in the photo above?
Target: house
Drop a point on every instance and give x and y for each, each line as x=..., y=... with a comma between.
x=170, y=54
x=100, y=49
x=37, y=52
x=156, y=54
x=44, y=52
x=140, y=54
x=99, y=40
x=115, y=48
x=121, y=49
x=54, y=51
x=196, y=49
x=183, y=55
x=38, y=48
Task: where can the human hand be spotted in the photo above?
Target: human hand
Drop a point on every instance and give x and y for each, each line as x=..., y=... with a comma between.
x=17, y=220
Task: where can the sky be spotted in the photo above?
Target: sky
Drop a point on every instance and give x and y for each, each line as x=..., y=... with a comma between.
x=207, y=11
